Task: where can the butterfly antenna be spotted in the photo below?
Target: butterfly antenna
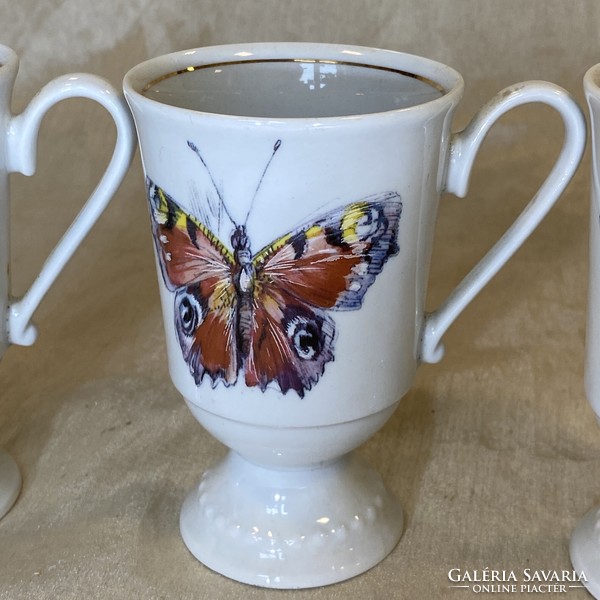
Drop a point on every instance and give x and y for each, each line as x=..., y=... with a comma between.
x=195, y=150
x=275, y=148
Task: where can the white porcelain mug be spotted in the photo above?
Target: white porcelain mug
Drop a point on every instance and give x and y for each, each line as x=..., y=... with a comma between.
x=585, y=541
x=293, y=192
x=18, y=155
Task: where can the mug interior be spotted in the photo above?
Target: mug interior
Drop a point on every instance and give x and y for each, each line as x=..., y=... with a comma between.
x=292, y=88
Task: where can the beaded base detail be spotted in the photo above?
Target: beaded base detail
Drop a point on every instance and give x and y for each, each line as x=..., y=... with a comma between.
x=291, y=528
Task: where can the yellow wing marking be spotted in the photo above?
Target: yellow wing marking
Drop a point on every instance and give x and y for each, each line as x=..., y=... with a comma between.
x=272, y=248
x=350, y=220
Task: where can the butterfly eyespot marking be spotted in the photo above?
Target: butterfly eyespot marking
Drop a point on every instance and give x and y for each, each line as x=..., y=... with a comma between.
x=305, y=335
x=189, y=312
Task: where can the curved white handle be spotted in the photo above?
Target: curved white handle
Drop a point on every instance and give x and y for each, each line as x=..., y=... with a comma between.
x=22, y=145
x=463, y=149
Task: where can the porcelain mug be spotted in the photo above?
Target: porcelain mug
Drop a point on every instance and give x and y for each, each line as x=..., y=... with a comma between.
x=18, y=155
x=293, y=191
x=585, y=541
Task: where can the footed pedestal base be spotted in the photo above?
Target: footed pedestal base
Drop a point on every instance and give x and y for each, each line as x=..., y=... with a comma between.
x=585, y=550
x=291, y=528
x=10, y=482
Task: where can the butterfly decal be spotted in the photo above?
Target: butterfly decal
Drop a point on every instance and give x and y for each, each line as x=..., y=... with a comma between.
x=266, y=315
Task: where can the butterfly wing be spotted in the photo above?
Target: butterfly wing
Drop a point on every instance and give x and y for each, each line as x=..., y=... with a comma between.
x=290, y=343
x=327, y=265
x=199, y=269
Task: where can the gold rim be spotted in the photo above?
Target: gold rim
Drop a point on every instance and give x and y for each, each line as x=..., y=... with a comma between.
x=190, y=69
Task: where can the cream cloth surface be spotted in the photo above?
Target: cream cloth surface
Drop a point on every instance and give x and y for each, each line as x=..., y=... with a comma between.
x=494, y=453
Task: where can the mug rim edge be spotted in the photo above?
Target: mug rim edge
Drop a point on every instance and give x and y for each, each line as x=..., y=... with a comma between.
x=148, y=71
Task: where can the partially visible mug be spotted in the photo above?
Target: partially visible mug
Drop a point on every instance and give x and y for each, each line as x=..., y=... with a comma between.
x=293, y=192
x=585, y=541
x=18, y=155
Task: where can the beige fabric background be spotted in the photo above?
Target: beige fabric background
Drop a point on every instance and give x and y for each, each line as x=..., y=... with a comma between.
x=494, y=453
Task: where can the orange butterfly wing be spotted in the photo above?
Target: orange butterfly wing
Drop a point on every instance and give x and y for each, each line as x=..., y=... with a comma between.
x=199, y=269
x=328, y=265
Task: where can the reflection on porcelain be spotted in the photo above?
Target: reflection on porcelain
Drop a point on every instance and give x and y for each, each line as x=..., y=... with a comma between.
x=18, y=155
x=585, y=541
x=293, y=225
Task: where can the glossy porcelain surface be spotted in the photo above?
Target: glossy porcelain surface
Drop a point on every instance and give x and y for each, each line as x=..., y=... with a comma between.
x=293, y=242
x=585, y=541
x=292, y=528
x=585, y=550
x=18, y=146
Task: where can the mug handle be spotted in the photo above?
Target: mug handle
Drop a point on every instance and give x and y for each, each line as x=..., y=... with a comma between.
x=463, y=149
x=21, y=157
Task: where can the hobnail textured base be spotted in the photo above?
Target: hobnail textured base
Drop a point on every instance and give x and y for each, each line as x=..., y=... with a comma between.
x=10, y=482
x=585, y=550
x=291, y=528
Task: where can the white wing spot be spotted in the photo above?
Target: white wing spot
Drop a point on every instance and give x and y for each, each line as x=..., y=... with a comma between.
x=361, y=269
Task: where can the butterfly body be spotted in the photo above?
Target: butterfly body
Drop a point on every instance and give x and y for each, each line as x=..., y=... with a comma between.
x=266, y=315
x=243, y=279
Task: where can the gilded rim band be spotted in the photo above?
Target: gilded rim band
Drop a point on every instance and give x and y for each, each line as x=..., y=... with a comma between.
x=190, y=69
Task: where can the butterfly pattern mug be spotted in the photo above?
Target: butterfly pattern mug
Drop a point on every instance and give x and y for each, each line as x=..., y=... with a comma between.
x=585, y=541
x=293, y=191
x=18, y=155
x=267, y=314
